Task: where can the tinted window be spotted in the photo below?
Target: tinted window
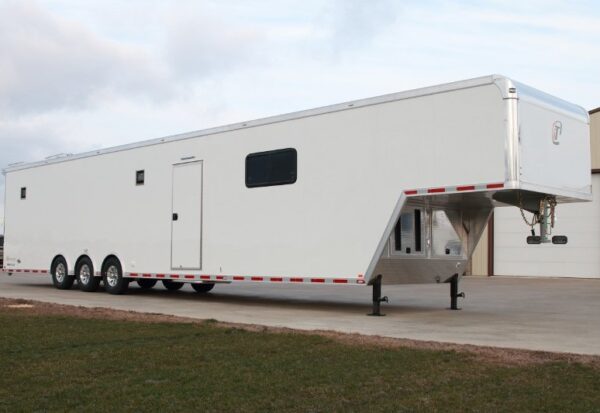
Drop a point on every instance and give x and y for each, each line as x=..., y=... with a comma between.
x=23, y=193
x=271, y=168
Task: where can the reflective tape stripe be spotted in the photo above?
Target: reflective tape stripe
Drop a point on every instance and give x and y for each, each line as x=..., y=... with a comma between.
x=450, y=189
x=24, y=271
x=359, y=279
x=466, y=188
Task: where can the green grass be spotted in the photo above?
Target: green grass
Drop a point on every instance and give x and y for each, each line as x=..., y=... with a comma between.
x=59, y=363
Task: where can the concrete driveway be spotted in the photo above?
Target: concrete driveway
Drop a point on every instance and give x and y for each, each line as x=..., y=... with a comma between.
x=559, y=315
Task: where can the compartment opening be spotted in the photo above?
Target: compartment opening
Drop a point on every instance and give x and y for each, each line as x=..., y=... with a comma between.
x=408, y=232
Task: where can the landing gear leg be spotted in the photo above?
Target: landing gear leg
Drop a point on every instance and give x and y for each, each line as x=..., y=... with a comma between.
x=454, y=294
x=377, y=298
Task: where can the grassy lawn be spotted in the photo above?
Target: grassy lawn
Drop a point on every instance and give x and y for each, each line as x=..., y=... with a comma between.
x=64, y=363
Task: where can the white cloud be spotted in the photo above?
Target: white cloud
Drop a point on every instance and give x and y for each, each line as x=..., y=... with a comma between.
x=50, y=63
x=199, y=44
x=357, y=22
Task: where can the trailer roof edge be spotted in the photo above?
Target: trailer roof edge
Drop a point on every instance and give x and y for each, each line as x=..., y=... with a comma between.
x=413, y=93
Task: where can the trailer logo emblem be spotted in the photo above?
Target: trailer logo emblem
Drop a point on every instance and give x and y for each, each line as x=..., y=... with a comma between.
x=556, y=132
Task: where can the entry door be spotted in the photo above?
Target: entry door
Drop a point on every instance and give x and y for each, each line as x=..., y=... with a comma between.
x=186, y=224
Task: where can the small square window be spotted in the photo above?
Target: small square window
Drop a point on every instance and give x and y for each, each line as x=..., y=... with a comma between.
x=139, y=177
x=23, y=193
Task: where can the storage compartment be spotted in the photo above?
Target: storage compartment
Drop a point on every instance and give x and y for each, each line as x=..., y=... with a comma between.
x=408, y=232
x=434, y=237
x=445, y=240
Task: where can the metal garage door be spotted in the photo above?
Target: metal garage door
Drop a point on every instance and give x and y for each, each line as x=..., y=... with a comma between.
x=579, y=258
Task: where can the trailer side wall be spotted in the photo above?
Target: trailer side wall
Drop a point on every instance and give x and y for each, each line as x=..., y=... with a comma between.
x=352, y=167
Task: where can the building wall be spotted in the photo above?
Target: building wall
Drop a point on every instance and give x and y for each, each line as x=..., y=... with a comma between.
x=580, y=258
x=595, y=137
x=480, y=260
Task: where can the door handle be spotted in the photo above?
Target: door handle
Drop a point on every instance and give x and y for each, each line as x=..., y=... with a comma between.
x=175, y=216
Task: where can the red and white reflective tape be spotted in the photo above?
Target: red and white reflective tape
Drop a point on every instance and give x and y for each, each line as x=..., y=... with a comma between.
x=24, y=271
x=249, y=278
x=453, y=189
x=218, y=278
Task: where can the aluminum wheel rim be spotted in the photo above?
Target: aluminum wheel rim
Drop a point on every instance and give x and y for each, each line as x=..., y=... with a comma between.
x=60, y=273
x=112, y=276
x=85, y=274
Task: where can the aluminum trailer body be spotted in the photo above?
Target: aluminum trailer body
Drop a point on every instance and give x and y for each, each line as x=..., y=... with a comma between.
x=396, y=188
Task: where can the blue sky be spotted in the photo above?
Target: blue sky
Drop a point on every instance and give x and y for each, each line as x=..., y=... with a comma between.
x=76, y=75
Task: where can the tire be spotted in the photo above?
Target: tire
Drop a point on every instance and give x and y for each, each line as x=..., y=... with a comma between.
x=203, y=288
x=172, y=285
x=112, y=274
x=146, y=284
x=84, y=271
x=60, y=274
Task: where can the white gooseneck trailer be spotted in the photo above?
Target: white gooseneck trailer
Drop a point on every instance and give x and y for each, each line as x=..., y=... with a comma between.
x=393, y=189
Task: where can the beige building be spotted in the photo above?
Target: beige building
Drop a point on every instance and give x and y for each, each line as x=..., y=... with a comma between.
x=502, y=249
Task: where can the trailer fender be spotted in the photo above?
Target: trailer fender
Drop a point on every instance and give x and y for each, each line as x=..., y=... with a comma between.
x=70, y=265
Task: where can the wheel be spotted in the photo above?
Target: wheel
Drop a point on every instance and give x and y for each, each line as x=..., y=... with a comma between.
x=60, y=276
x=114, y=283
x=84, y=271
x=146, y=284
x=172, y=285
x=203, y=288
